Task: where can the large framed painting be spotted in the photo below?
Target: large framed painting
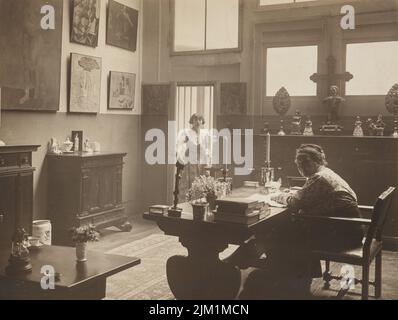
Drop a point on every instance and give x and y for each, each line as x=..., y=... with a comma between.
x=122, y=26
x=85, y=84
x=121, y=90
x=85, y=22
x=30, y=56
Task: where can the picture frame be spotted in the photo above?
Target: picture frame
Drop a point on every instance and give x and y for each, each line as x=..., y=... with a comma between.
x=85, y=22
x=85, y=84
x=121, y=90
x=122, y=26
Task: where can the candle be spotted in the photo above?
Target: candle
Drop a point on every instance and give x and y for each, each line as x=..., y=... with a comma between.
x=268, y=154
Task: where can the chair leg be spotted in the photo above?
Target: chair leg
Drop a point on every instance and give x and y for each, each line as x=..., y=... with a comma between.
x=378, y=275
x=365, y=282
x=326, y=275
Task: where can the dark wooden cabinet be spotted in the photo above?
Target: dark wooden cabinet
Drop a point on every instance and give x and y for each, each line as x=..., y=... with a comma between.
x=85, y=189
x=16, y=190
x=368, y=164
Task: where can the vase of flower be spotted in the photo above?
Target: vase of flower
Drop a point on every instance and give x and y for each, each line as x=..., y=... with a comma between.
x=81, y=236
x=81, y=252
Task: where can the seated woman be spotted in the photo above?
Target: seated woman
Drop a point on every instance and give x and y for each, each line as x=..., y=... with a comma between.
x=325, y=193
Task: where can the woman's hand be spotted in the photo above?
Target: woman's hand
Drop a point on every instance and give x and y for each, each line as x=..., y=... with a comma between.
x=281, y=198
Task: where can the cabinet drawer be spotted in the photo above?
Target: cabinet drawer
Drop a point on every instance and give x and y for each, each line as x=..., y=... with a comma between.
x=9, y=160
x=101, y=162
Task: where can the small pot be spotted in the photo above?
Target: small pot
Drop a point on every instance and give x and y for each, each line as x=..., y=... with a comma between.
x=199, y=210
x=211, y=199
x=81, y=251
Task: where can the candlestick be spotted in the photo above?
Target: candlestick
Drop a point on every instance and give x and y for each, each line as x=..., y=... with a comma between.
x=268, y=142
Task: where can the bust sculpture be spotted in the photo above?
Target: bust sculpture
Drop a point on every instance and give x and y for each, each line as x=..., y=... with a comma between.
x=296, y=124
x=333, y=103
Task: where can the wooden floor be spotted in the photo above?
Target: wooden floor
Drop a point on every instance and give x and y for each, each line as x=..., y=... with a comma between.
x=112, y=238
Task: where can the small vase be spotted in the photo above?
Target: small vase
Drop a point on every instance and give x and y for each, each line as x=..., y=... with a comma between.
x=211, y=199
x=199, y=210
x=81, y=255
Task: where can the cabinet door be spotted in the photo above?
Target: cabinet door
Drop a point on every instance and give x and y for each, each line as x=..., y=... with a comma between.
x=90, y=191
x=107, y=187
x=7, y=209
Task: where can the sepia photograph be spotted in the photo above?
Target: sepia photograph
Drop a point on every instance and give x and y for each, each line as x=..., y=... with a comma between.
x=193, y=157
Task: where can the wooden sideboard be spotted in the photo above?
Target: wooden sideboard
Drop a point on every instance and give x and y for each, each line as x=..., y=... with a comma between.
x=85, y=189
x=368, y=164
x=16, y=190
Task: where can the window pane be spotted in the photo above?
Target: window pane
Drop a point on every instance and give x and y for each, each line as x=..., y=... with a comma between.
x=374, y=66
x=189, y=31
x=291, y=67
x=222, y=24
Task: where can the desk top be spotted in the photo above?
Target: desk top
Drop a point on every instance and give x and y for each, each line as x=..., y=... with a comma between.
x=63, y=259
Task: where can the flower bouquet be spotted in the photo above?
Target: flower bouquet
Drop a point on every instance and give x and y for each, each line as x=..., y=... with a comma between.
x=82, y=235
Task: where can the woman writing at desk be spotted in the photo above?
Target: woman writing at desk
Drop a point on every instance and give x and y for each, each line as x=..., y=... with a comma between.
x=287, y=247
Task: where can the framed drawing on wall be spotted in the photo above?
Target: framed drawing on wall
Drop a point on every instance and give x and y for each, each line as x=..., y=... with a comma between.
x=122, y=26
x=121, y=90
x=30, y=57
x=85, y=84
x=85, y=22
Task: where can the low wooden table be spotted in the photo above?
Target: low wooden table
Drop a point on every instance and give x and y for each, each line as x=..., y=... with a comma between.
x=201, y=274
x=83, y=281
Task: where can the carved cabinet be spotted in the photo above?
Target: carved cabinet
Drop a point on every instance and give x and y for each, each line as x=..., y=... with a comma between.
x=85, y=189
x=16, y=191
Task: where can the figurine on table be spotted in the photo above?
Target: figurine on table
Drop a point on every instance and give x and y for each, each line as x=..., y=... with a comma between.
x=379, y=126
x=333, y=103
x=358, y=132
x=308, y=127
x=296, y=124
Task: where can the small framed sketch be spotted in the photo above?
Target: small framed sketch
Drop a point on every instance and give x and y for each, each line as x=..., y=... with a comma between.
x=122, y=26
x=85, y=22
x=121, y=90
x=85, y=84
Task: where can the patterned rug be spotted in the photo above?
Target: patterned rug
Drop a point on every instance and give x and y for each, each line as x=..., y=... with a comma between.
x=148, y=280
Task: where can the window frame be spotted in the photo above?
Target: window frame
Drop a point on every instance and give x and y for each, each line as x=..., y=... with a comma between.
x=307, y=4
x=344, y=57
x=210, y=51
x=267, y=97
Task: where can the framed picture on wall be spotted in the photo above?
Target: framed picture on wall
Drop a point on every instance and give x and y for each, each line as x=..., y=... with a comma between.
x=122, y=26
x=85, y=22
x=85, y=84
x=121, y=90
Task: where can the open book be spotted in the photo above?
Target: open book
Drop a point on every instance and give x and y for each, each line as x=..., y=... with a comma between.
x=267, y=199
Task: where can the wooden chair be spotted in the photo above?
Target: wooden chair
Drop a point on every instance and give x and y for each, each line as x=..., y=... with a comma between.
x=362, y=256
x=295, y=181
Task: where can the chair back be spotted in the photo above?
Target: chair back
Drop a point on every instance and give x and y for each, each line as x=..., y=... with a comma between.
x=379, y=217
x=296, y=181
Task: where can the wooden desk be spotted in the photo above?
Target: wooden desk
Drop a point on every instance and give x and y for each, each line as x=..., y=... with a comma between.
x=85, y=281
x=202, y=275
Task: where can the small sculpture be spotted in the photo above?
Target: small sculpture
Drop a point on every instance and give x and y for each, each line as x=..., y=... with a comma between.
x=358, y=132
x=379, y=126
x=68, y=145
x=296, y=124
x=87, y=146
x=370, y=124
x=53, y=147
x=308, y=127
x=76, y=144
x=266, y=128
x=333, y=103
x=281, y=130
x=395, y=134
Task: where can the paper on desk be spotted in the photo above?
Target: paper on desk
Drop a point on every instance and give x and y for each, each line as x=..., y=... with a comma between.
x=267, y=199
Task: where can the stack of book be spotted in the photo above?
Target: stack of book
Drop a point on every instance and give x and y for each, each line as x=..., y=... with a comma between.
x=240, y=210
x=158, y=209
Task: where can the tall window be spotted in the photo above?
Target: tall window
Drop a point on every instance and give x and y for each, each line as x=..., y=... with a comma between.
x=194, y=99
x=374, y=66
x=269, y=2
x=201, y=25
x=291, y=67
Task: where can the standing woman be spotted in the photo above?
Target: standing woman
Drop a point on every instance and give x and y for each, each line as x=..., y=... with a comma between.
x=192, y=152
